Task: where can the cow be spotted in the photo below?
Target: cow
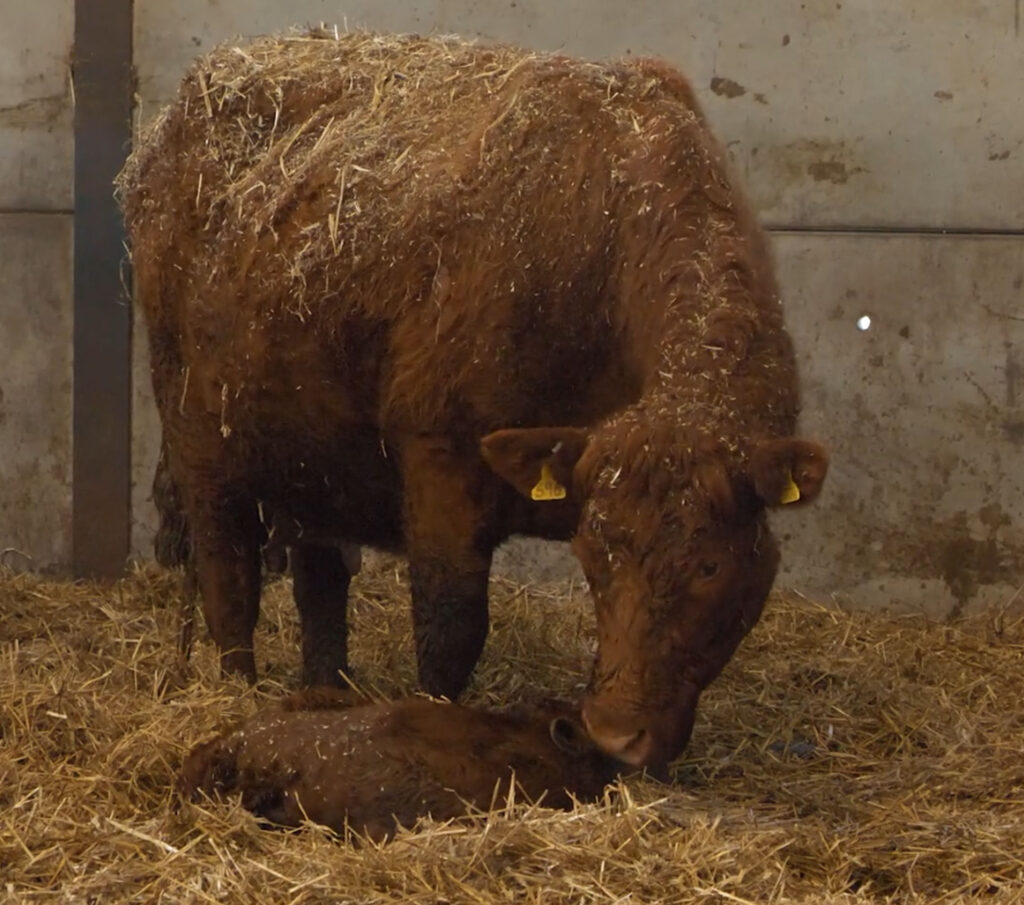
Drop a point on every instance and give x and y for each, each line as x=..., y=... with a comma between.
x=423, y=295
x=373, y=767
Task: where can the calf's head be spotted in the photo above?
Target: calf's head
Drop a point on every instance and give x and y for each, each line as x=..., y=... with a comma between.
x=586, y=769
x=673, y=541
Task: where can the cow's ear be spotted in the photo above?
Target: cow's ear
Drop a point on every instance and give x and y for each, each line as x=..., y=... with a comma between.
x=569, y=736
x=537, y=461
x=788, y=470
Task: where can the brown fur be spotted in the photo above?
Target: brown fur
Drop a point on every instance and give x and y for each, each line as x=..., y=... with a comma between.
x=374, y=767
x=540, y=262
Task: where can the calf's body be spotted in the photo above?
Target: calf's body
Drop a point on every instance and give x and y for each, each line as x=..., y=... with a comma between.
x=373, y=767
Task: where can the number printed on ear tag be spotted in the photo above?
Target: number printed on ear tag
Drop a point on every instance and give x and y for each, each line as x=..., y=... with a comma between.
x=547, y=488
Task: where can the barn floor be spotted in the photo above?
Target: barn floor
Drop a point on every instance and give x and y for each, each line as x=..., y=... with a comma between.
x=841, y=758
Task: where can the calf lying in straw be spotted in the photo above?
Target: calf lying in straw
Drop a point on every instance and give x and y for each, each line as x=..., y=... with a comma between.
x=336, y=760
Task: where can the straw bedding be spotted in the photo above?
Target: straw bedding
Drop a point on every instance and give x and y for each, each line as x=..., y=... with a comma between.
x=841, y=758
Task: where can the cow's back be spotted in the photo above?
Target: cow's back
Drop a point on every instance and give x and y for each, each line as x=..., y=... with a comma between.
x=409, y=233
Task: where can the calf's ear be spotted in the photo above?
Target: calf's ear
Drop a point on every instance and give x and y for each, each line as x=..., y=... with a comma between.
x=537, y=461
x=788, y=470
x=569, y=736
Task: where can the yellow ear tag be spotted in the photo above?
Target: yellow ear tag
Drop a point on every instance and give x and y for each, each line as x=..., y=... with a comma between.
x=790, y=493
x=547, y=488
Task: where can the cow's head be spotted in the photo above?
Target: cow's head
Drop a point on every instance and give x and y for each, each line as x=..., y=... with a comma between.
x=673, y=541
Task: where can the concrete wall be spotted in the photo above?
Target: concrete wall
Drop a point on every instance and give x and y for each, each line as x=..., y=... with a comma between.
x=842, y=118
x=924, y=414
x=863, y=131
x=35, y=284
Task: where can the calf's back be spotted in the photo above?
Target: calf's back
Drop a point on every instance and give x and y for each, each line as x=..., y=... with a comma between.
x=377, y=766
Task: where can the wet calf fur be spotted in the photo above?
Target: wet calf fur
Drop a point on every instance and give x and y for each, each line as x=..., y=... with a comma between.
x=374, y=767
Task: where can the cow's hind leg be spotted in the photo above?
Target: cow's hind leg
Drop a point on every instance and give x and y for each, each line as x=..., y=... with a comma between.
x=225, y=544
x=449, y=564
x=321, y=579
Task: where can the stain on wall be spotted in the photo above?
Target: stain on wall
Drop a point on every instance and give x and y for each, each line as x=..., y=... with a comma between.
x=37, y=111
x=834, y=171
x=724, y=87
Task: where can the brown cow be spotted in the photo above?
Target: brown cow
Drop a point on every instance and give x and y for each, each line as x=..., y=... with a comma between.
x=424, y=295
x=375, y=767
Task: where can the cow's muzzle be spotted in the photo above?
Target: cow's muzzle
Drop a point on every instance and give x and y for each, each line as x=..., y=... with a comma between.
x=641, y=738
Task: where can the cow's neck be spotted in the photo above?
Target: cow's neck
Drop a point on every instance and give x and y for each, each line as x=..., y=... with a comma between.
x=697, y=298
x=715, y=357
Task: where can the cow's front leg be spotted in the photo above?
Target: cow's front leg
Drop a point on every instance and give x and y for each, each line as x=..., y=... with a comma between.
x=449, y=617
x=449, y=563
x=225, y=546
x=320, y=583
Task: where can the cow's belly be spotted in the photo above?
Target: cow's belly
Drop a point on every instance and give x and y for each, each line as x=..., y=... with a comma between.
x=350, y=491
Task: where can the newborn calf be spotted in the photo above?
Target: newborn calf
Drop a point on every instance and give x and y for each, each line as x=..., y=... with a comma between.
x=376, y=766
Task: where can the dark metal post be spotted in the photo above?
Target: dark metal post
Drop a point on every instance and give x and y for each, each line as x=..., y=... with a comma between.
x=101, y=470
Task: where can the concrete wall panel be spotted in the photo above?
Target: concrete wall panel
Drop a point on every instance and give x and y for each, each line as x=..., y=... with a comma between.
x=874, y=113
x=838, y=114
x=35, y=390
x=36, y=142
x=923, y=413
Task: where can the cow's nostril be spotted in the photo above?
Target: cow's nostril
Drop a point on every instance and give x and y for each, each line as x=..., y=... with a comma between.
x=638, y=749
x=629, y=748
x=638, y=740
x=626, y=737
x=620, y=746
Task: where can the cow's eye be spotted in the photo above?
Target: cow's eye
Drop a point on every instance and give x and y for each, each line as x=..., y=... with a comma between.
x=707, y=569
